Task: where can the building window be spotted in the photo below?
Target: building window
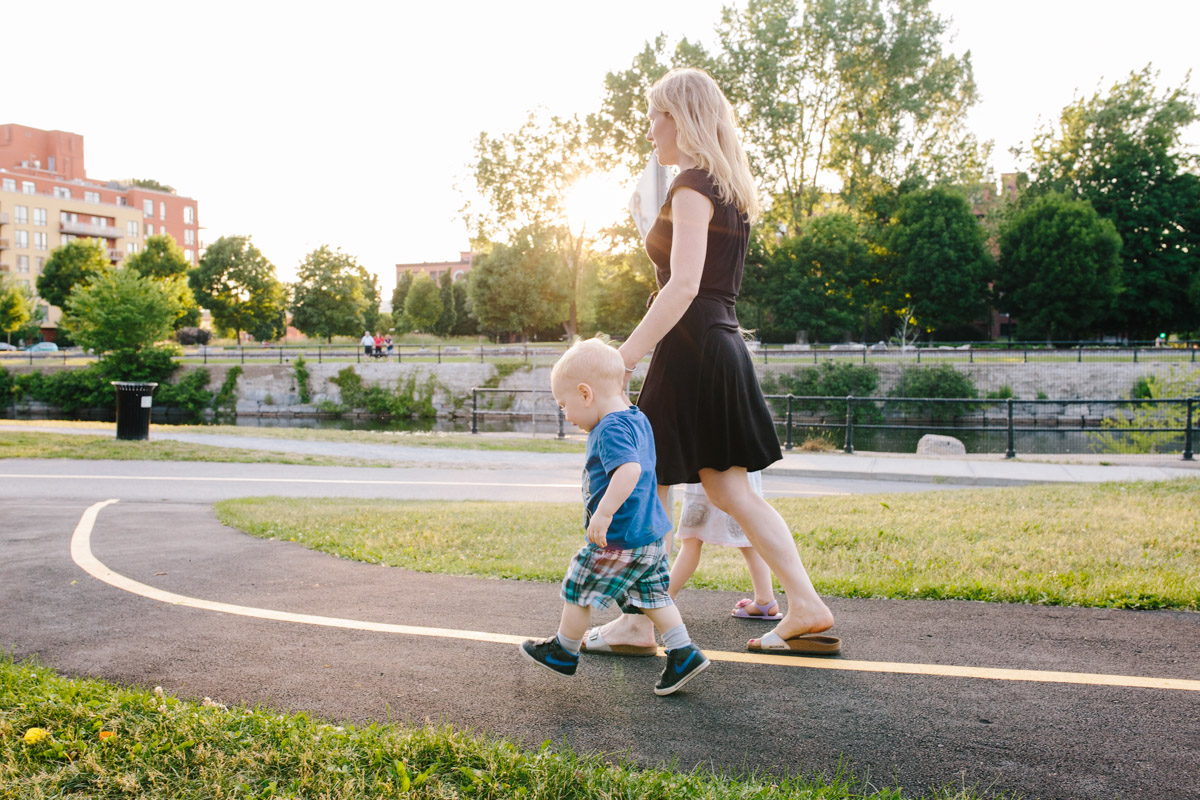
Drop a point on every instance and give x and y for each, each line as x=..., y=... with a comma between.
x=147, y=208
x=39, y=240
x=91, y=197
x=28, y=187
x=189, y=236
x=9, y=185
x=162, y=209
x=189, y=215
x=38, y=263
x=131, y=228
x=69, y=216
x=21, y=215
x=132, y=247
x=190, y=255
x=22, y=263
x=121, y=201
x=149, y=228
x=62, y=192
x=67, y=238
x=39, y=217
x=20, y=239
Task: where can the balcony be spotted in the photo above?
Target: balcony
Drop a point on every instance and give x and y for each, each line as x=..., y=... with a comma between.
x=3, y=244
x=116, y=255
x=93, y=231
x=4, y=220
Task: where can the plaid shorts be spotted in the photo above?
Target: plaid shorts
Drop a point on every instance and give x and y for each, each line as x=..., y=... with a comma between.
x=596, y=577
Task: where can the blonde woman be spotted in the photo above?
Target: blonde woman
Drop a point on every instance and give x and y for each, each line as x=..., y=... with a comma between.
x=711, y=424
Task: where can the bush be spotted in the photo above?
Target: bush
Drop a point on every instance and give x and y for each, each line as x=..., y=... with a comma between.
x=942, y=381
x=381, y=402
x=7, y=387
x=189, y=394
x=188, y=336
x=68, y=390
x=303, y=386
x=831, y=380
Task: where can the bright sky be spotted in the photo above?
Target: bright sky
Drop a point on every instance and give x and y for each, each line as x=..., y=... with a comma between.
x=351, y=123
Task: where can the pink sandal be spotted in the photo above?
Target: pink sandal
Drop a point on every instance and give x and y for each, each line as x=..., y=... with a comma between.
x=746, y=609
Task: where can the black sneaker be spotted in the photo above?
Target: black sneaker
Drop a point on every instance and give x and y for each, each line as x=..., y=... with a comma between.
x=683, y=664
x=551, y=655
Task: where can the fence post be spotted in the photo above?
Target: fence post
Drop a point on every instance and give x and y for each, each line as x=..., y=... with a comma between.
x=281, y=355
x=205, y=351
x=318, y=354
x=1135, y=354
x=1012, y=450
x=850, y=424
x=439, y=353
x=918, y=353
x=789, y=422
x=1187, y=436
x=1079, y=360
x=243, y=349
x=561, y=433
x=971, y=355
x=474, y=411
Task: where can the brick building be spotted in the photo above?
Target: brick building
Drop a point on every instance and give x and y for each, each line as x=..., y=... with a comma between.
x=435, y=269
x=46, y=200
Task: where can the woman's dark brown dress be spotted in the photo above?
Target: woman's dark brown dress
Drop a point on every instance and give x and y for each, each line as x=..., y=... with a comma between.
x=701, y=394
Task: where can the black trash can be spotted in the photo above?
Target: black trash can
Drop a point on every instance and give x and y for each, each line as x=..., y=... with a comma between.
x=133, y=409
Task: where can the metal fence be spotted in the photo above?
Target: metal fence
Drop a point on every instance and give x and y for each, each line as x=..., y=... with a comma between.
x=894, y=424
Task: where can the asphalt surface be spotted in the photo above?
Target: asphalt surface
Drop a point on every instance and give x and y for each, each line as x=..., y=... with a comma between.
x=1039, y=736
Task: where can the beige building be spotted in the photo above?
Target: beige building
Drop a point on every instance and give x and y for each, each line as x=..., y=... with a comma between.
x=32, y=224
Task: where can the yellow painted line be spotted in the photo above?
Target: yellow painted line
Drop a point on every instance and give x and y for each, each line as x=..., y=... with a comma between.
x=81, y=554
x=210, y=479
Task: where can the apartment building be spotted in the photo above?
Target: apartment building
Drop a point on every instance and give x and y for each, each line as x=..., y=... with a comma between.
x=47, y=200
x=435, y=269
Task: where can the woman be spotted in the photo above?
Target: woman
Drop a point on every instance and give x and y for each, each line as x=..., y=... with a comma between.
x=711, y=423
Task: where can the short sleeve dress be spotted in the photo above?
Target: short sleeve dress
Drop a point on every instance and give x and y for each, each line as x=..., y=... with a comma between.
x=701, y=393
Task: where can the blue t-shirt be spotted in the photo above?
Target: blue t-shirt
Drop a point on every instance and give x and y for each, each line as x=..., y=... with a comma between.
x=620, y=438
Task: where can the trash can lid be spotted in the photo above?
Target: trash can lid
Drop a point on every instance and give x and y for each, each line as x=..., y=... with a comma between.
x=133, y=385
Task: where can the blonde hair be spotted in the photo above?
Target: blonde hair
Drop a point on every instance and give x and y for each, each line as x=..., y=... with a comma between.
x=592, y=361
x=707, y=132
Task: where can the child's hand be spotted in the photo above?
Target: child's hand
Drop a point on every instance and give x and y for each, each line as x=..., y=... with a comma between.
x=597, y=531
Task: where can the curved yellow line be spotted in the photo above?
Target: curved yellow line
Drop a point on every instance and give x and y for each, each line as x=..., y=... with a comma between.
x=81, y=554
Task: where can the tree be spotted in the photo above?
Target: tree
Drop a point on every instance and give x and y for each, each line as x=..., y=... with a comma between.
x=163, y=260
x=512, y=288
x=150, y=183
x=400, y=321
x=237, y=284
x=1123, y=151
x=76, y=263
x=1060, y=268
x=424, y=303
x=329, y=299
x=121, y=313
x=16, y=307
x=373, y=317
x=465, y=323
x=445, y=322
x=942, y=265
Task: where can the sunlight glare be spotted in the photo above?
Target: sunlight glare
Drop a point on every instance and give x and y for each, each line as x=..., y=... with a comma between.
x=596, y=201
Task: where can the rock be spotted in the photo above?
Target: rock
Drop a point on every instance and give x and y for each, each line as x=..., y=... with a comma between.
x=933, y=445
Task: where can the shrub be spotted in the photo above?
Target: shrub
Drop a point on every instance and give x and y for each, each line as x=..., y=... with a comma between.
x=187, y=336
x=226, y=398
x=942, y=381
x=832, y=380
x=303, y=387
x=189, y=394
x=7, y=388
x=68, y=390
x=382, y=402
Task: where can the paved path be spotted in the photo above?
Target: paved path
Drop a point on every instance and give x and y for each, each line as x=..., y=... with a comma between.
x=1048, y=702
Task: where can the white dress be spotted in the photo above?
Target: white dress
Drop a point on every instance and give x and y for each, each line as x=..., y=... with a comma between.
x=700, y=519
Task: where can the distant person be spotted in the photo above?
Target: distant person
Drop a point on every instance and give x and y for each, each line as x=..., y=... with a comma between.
x=378, y=342
x=387, y=340
x=625, y=524
x=368, y=343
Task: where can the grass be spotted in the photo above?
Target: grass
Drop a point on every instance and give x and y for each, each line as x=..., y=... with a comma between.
x=87, y=447
x=103, y=741
x=458, y=441
x=1117, y=545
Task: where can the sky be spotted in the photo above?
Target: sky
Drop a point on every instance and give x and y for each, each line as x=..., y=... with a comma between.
x=352, y=124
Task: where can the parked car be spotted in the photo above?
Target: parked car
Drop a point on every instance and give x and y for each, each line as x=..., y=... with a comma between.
x=7, y=346
x=43, y=347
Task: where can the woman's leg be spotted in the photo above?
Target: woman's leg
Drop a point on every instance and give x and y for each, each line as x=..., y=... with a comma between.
x=760, y=578
x=730, y=491
x=634, y=629
x=685, y=565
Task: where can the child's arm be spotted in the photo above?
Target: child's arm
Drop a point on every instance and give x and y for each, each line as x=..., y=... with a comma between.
x=622, y=483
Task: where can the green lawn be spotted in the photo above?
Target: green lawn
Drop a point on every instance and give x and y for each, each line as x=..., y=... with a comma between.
x=89, y=739
x=1131, y=545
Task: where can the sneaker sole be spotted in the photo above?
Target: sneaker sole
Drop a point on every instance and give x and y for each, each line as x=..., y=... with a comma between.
x=545, y=666
x=683, y=681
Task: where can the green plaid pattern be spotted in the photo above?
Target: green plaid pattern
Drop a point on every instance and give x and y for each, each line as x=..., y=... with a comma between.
x=596, y=577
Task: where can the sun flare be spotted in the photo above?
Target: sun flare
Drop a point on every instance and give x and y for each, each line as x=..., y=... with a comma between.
x=596, y=201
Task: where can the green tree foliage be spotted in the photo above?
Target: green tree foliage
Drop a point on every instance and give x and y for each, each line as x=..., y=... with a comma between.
x=237, y=284
x=373, y=318
x=1129, y=429
x=445, y=323
x=121, y=315
x=163, y=260
x=16, y=309
x=942, y=381
x=150, y=183
x=465, y=323
x=423, y=305
x=330, y=298
x=400, y=321
x=1060, y=268
x=942, y=265
x=830, y=379
x=76, y=263
x=513, y=289
x=805, y=282
x=1123, y=151
x=616, y=292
